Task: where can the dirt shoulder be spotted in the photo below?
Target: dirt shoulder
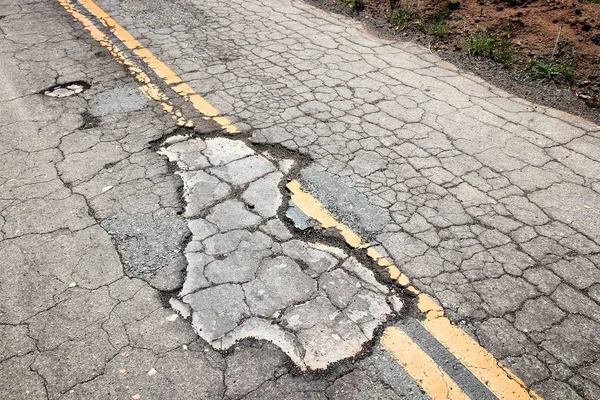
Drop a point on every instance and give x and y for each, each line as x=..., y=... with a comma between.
x=545, y=51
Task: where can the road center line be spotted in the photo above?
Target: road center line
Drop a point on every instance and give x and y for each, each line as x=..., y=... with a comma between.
x=497, y=378
x=151, y=90
x=423, y=369
x=468, y=382
x=169, y=77
x=161, y=69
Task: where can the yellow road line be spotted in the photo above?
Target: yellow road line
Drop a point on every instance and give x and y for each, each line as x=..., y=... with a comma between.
x=502, y=382
x=497, y=378
x=315, y=210
x=146, y=86
x=159, y=68
x=311, y=207
x=434, y=381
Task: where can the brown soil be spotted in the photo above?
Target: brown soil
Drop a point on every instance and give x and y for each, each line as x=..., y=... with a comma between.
x=529, y=28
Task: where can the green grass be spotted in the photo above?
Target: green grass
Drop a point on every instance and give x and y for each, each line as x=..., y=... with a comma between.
x=402, y=16
x=439, y=26
x=406, y=15
x=595, y=1
x=551, y=70
x=481, y=44
x=504, y=52
x=484, y=44
x=356, y=5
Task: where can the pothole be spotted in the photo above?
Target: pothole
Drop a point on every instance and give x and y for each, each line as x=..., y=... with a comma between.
x=248, y=276
x=67, y=89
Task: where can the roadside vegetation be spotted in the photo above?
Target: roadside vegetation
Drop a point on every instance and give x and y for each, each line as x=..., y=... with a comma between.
x=355, y=5
x=564, y=50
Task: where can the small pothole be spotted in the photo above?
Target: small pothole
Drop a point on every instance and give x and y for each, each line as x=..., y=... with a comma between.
x=67, y=89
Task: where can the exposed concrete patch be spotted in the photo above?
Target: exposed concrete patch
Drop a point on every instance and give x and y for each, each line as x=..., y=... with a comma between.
x=248, y=278
x=67, y=89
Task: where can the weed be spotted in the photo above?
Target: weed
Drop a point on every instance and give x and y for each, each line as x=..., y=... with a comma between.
x=504, y=52
x=595, y=1
x=481, y=44
x=439, y=26
x=551, y=70
x=402, y=16
x=355, y=5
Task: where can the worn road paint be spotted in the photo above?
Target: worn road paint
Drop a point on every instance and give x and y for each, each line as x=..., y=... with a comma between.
x=435, y=382
x=149, y=89
x=311, y=207
x=158, y=67
x=497, y=378
x=464, y=378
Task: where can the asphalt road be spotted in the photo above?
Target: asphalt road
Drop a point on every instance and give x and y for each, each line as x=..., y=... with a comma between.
x=258, y=199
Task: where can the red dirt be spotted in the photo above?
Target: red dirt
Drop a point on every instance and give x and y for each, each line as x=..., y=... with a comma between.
x=531, y=26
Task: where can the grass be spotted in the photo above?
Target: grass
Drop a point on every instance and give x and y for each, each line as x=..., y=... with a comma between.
x=551, y=70
x=439, y=26
x=406, y=15
x=402, y=16
x=504, y=52
x=355, y=5
x=481, y=44
x=484, y=44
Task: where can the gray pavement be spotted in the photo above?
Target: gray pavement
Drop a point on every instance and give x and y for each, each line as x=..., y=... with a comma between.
x=115, y=223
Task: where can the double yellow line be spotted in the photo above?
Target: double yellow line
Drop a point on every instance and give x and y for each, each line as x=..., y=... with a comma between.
x=150, y=89
x=434, y=381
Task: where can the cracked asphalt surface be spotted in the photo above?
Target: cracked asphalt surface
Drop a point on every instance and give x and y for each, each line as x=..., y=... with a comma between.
x=247, y=278
x=115, y=223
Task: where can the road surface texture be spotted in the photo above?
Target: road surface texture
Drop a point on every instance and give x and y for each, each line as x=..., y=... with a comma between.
x=152, y=247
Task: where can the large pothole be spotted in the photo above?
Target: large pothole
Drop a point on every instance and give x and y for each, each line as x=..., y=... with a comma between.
x=247, y=274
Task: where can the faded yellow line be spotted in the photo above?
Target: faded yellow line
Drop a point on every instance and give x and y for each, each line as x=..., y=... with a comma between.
x=497, y=378
x=434, y=381
x=311, y=207
x=315, y=210
x=146, y=86
x=159, y=68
